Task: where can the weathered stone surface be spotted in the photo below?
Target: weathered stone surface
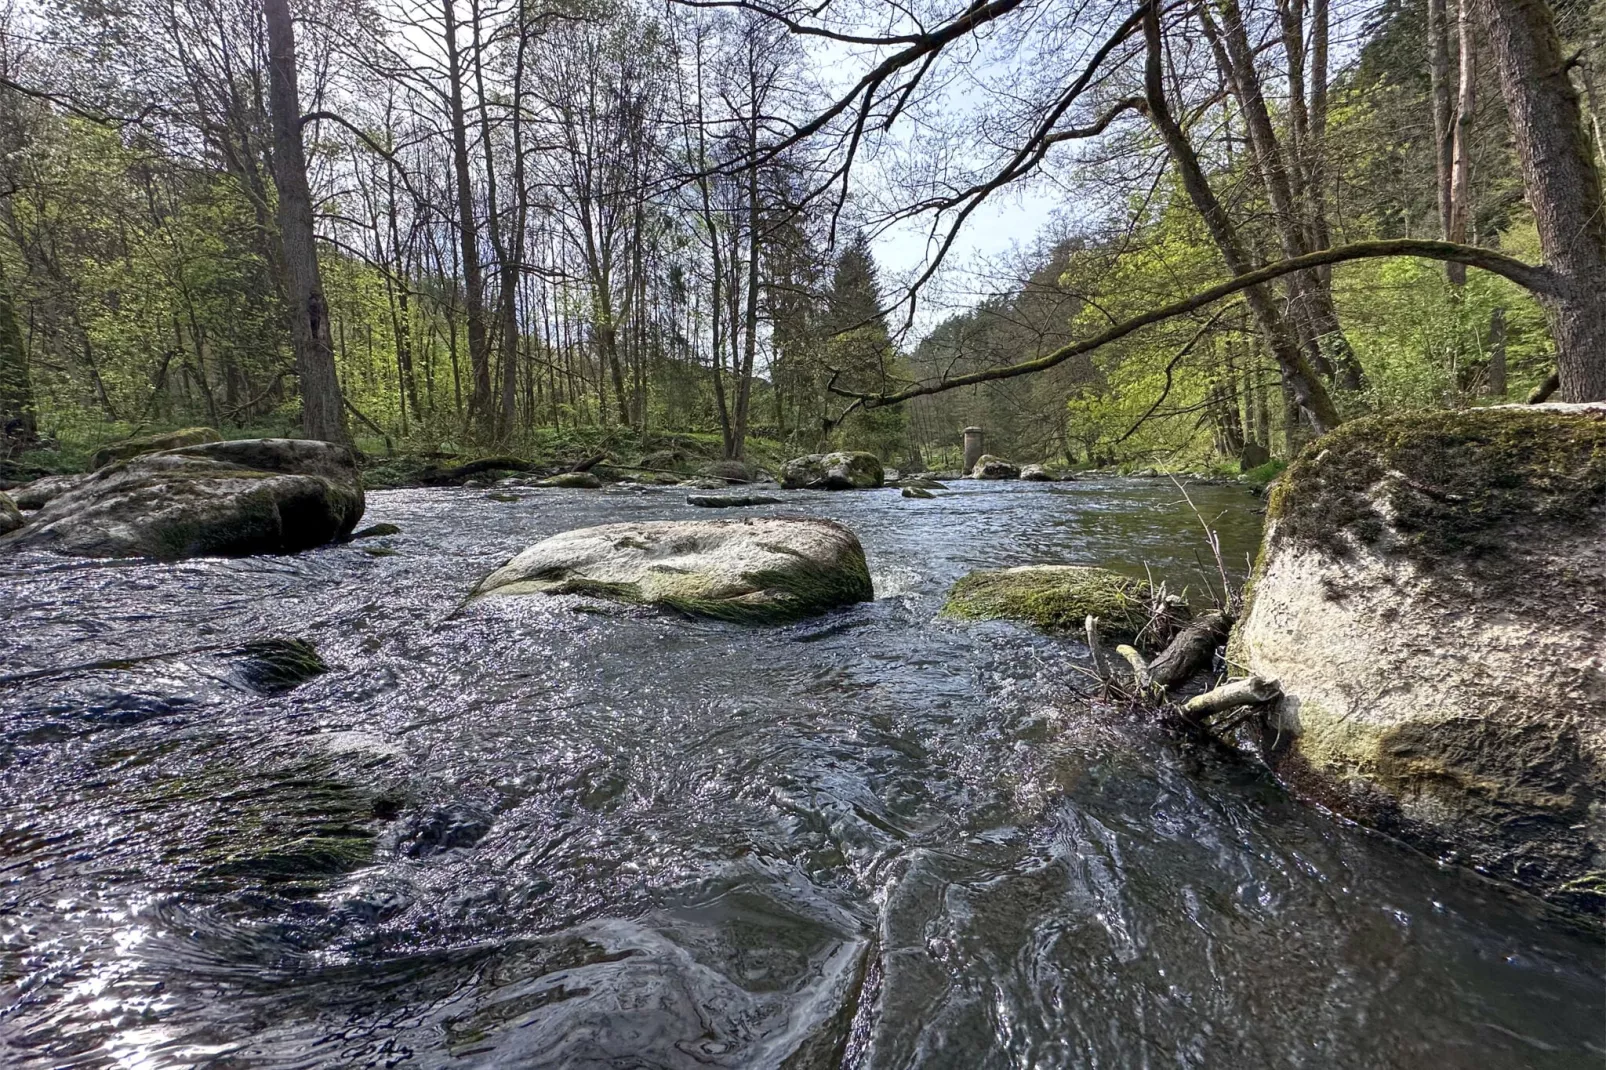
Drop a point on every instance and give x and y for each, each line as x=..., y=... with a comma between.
x=166, y=440
x=731, y=501
x=1055, y=598
x=223, y=498
x=1432, y=595
x=758, y=570
x=572, y=480
x=917, y=492
x=843, y=470
x=10, y=516
x=1036, y=473
x=729, y=471
x=38, y=494
x=922, y=482
x=990, y=467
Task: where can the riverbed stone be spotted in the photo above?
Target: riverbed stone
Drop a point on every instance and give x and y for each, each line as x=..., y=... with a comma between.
x=990, y=467
x=751, y=570
x=1036, y=473
x=910, y=491
x=10, y=516
x=1054, y=598
x=1431, y=593
x=573, y=481
x=229, y=499
x=731, y=501
x=165, y=440
x=842, y=470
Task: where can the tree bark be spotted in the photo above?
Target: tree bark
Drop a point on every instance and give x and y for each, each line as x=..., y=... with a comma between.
x=1562, y=183
x=479, y=405
x=323, y=410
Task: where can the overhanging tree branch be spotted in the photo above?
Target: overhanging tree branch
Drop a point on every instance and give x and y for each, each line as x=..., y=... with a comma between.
x=1532, y=277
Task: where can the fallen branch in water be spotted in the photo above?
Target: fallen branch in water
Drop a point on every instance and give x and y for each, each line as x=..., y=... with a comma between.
x=1246, y=691
x=1190, y=652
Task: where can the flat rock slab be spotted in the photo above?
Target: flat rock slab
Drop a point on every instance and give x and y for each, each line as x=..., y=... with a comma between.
x=228, y=499
x=755, y=571
x=731, y=501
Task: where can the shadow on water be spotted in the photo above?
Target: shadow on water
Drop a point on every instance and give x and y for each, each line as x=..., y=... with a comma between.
x=531, y=835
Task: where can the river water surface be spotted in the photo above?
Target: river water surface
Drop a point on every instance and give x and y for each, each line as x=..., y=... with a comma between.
x=545, y=833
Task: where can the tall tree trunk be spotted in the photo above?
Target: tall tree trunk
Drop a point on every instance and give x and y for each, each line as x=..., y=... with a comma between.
x=1459, y=219
x=323, y=412
x=1306, y=387
x=479, y=405
x=1563, y=185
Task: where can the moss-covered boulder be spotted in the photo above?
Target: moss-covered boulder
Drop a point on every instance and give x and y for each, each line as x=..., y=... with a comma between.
x=1431, y=593
x=755, y=571
x=10, y=516
x=990, y=467
x=729, y=471
x=1036, y=473
x=166, y=440
x=843, y=470
x=1055, y=598
x=250, y=496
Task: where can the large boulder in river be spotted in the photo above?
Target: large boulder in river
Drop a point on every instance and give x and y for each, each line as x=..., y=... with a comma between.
x=754, y=571
x=250, y=496
x=842, y=470
x=1431, y=593
x=1055, y=598
x=1036, y=473
x=166, y=440
x=40, y=492
x=10, y=515
x=990, y=467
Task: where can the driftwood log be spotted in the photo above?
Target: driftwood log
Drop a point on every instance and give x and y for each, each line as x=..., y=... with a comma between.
x=1190, y=652
x=1246, y=691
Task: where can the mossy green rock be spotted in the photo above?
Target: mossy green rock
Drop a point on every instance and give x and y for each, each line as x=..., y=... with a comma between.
x=250, y=496
x=166, y=440
x=843, y=470
x=1055, y=598
x=755, y=571
x=1430, y=595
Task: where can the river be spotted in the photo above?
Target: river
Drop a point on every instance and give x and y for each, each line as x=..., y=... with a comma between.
x=543, y=833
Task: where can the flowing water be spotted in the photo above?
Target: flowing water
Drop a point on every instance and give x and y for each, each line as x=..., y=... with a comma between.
x=543, y=833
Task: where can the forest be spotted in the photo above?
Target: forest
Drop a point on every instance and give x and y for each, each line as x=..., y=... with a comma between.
x=472, y=226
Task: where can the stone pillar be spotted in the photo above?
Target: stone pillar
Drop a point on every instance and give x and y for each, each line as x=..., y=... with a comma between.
x=973, y=447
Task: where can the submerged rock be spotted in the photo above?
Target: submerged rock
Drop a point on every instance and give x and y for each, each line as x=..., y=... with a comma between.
x=757, y=571
x=249, y=496
x=167, y=440
x=917, y=492
x=1055, y=598
x=843, y=470
x=374, y=531
x=10, y=516
x=274, y=666
x=731, y=501
x=990, y=467
x=1430, y=595
x=41, y=492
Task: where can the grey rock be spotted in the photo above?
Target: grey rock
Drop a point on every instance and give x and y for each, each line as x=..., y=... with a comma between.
x=990, y=467
x=917, y=492
x=10, y=516
x=731, y=501
x=166, y=440
x=40, y=492
x=842, y=470
x=752, y=570
x=235, y=498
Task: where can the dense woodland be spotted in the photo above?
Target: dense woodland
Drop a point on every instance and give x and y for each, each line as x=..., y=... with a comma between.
x=465, y=225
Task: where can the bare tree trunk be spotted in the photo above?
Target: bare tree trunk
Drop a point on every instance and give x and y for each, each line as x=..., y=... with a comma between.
x=1562, y=183
x=1301, y=379
x=1461, y=142
x=323, y=412
x=17, y=414
x=479, y=404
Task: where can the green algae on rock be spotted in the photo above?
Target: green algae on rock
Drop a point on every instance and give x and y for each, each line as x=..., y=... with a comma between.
x=1428, y=595
x=1055, y=598
x=753, y=571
